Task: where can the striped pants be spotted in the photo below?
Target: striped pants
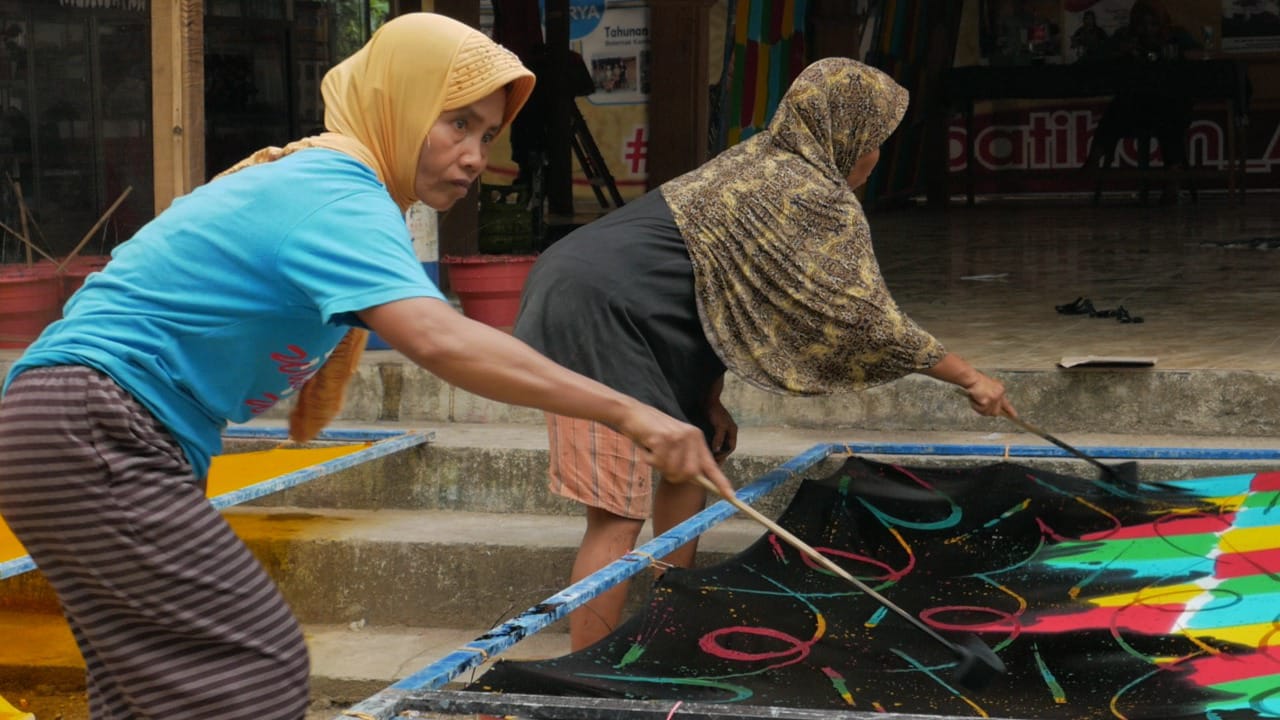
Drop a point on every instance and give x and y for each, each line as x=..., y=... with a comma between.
x=173, y=615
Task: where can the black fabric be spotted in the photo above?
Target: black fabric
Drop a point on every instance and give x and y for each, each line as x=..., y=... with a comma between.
x=1037, y=565
x=614, y=300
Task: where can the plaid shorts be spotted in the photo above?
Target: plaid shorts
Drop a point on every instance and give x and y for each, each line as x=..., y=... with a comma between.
x=598, y=467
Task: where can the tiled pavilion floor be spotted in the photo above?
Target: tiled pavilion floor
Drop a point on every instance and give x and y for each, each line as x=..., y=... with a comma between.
x=1205, y=278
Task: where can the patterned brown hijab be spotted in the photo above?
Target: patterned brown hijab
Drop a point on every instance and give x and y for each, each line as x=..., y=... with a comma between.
x=789, y=290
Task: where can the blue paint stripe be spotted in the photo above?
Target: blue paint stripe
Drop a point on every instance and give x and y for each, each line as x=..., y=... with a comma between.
x=755, y=21
x=779, y=62
x=1222, y=612
x=16, y=566
x=1223, y=486
x=307, y=474
x=1260, y=514
x=273, y=433
x=1163, y=569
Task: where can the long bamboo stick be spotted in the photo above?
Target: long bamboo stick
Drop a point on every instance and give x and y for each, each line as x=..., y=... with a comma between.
x=22, y=212
x=30, y=245
x=87, y=236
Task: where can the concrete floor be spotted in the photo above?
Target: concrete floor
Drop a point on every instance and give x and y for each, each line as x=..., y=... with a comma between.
x=985, y=280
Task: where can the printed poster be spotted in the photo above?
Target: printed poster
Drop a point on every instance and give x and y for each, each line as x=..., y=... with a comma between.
x=1250, y=25
x=616, y=52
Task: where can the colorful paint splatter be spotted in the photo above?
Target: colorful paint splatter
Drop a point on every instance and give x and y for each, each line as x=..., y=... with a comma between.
x=1104, y=602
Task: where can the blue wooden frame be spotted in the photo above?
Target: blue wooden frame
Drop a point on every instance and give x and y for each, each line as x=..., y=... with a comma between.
x=416, y=690
x=384, y=443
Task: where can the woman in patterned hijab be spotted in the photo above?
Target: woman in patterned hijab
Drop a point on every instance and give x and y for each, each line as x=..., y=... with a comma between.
x=788, y=286
x=759, y=262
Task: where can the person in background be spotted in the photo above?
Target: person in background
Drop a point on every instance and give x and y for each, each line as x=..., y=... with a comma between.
x=760, y=262
x=1151, y=35
x=1161, y=111
x=255, y=286
x=1089, y=40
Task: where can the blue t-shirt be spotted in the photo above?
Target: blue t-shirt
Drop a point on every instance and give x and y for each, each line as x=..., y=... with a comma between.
x=230, y=299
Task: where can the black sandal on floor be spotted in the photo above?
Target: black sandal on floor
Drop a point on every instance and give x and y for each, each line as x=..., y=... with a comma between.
x=1123, y=316
x=1081, y=306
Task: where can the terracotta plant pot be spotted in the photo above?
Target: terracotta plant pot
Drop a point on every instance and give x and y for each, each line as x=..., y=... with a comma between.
x=76, y=271
x=30, y=299
x=489, y=286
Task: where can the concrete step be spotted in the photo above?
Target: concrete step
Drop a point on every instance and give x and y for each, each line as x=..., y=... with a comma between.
x=1142, y=401
x=463, y=531
x=443, y=569
x=42, y=668
x=501, y=467
x=1150, y=401
x=381, y=594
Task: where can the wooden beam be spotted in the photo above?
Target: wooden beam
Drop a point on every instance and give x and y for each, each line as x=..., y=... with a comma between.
x=460, y=224
x=559, y=181
x=177, y=103
x=679, y=106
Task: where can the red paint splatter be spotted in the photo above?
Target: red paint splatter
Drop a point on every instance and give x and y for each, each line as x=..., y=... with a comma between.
x=1219, y=669
x=710, y=644
x=1265, y=482
x=1167, y=527
x=1258, y=562
x=1145, y=619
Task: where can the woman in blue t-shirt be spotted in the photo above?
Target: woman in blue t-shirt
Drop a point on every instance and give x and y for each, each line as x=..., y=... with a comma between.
x=260, y=284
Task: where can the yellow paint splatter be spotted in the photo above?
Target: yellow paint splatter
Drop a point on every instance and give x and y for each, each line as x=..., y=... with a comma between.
x=228, y=473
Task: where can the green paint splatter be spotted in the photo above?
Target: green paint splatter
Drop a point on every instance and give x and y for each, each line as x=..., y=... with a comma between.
x=633, y=654
x=1059, y=695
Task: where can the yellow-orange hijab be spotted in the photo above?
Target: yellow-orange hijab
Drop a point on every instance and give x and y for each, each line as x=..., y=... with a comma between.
x=380, y=103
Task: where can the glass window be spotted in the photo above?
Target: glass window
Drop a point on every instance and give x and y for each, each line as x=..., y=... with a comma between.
x=247, y=93
x=355, y=21
x=75, y=121
x=15, y=128
x=125, y=141
x=268, y=9
x=62, y=111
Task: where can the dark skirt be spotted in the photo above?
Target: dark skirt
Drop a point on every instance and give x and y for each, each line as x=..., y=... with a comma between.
x=614, y=300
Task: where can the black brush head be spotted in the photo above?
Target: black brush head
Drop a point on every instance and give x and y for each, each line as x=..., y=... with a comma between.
x=1125, y=474
x=978, y=664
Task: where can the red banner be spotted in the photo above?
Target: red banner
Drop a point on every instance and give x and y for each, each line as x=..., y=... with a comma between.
x=1056, y=140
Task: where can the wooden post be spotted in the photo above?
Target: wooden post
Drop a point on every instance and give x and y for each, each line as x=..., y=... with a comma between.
x=177, y=102
x=679, y=106
x=559, y=181
x=460, y=225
